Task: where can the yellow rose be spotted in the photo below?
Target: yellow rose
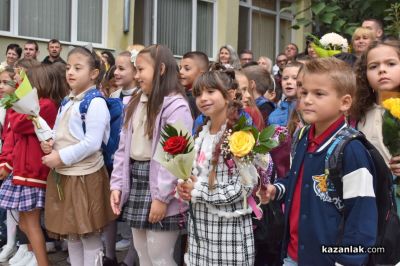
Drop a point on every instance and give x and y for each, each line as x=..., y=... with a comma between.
x=241, y=143
x=393, y=105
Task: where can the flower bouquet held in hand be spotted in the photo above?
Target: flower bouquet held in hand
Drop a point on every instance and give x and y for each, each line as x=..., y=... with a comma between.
x=248, y=148
x=391, y=125
x=25, y=101
x=175, y=151
x=329, y=45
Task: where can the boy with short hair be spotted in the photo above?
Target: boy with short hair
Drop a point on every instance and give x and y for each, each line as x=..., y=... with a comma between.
x=192, y=65
x=312, y=219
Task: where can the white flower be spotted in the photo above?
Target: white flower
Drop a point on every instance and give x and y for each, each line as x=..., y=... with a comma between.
x=334, y=41
x=134, y=54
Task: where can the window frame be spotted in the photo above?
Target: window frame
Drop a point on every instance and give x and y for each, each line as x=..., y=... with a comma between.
x=251, y=8
x=194, y=25
x=13, y=32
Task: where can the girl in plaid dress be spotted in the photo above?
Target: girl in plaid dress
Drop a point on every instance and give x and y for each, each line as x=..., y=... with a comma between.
x=146, y=187
x=221, y=232
x=24, y=189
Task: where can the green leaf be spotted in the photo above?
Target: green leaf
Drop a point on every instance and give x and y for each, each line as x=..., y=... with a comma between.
x=317, y=8
x=328, y=18
x=338, y=24
x=260, y=149
x=295, y=27
x=302, y=21
x=240, y=124
x=290, y=9
x=330, y=9
x=266, y=133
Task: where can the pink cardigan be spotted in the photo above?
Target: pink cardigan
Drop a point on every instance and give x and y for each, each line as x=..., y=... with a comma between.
x=162, y=184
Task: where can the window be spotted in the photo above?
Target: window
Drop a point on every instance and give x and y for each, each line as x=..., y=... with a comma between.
x=262, y=28
x=76, y=21
x=182, y=25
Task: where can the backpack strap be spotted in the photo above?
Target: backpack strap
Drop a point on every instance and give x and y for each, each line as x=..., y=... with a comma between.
x=297, y=136
x=84, y=105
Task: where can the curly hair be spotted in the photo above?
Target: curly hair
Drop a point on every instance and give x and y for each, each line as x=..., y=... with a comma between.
x=366, y=96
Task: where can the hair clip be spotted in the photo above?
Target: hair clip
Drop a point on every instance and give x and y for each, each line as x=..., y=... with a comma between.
x=134, y=54
x=2, y=68
x=89, y=46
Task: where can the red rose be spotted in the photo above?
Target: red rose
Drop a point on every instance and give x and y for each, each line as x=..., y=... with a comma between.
x=175, y=145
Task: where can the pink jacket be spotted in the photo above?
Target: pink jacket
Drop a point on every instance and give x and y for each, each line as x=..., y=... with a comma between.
x=162, y=184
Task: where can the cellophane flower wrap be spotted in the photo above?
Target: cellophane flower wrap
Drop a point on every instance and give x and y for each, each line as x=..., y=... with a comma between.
x=391, y=125
x=175, y=151
x=25, y=100
x=329, y=45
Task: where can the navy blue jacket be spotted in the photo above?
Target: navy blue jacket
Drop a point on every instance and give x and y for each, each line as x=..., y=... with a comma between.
x=319, y=217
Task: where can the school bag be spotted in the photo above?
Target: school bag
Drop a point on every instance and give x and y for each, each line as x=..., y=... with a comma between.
x=115, y=107
x=388, y=220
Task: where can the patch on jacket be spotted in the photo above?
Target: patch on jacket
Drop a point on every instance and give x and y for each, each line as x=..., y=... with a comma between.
x=322, y=186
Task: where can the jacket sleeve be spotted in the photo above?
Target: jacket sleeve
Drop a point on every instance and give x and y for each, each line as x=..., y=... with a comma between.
x=97, y=120
x=7, y=150
x=117, y=175
x=22, y=125
x=166, y=182
x=361, y=218
x=222, y=193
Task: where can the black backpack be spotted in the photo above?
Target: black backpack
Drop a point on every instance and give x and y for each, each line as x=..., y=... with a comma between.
x=388, y=220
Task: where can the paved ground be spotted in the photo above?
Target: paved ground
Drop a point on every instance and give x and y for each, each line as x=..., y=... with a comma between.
x=59, y=258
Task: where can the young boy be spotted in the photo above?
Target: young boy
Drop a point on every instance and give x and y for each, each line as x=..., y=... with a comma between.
x=282, y=113
x=312, y=219
x=192, y=65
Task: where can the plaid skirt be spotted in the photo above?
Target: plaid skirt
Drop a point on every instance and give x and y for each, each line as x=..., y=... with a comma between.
x=137, y=209
x=20, y=198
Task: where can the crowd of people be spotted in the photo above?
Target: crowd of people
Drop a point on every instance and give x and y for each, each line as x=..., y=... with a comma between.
x=62, y=189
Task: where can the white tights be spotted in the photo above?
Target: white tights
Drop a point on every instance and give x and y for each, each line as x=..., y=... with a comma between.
x=12, y=220
x=86, y=251
x=155, y=248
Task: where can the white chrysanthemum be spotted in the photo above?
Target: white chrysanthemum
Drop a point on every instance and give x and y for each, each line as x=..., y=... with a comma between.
x=2, y=68
x=334, y=41
x=134, y=54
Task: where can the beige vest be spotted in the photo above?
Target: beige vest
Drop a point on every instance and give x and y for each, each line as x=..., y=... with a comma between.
x=64, y=139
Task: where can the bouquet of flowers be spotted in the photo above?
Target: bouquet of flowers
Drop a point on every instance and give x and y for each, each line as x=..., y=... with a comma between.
x=25, y=101
x=247, y=148
x=391, y=125
x=175, y=151
x=329, y=44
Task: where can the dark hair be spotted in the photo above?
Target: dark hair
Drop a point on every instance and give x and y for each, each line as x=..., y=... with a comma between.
x=280, y=54
x=347, y=57
x=200, y=58
x=221, y=80
x=245, y=51
x=16, y=48
x=27, y=63
x=163, y=85
x=366, y=97
x=49, y=80
x=261, y=77
x=251, y=63
x=94, y=61
x=376, y=21
x=33, y=42
x=110, y=57
x=53, y=41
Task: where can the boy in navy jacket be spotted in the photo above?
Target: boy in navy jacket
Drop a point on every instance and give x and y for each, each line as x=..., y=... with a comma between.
x=312, y=217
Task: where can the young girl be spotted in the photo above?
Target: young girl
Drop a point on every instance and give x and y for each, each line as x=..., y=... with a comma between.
x=377, y=71
x=282, y=113
x=153, y=212
x=78, y=190
x=224, y=233
x=24, y=190
x=124, y=74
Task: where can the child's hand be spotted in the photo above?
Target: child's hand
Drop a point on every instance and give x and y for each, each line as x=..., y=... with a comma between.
x=3, y=173
x=115, y=199
x=395, y=165
x=267, y=193
x=185, y=188
x=47, y=146
x=52, y=160
x=157, y=211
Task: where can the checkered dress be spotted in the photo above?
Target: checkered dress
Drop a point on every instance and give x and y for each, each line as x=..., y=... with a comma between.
x=137, y=209
x=222, y=241
x=20, y=198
